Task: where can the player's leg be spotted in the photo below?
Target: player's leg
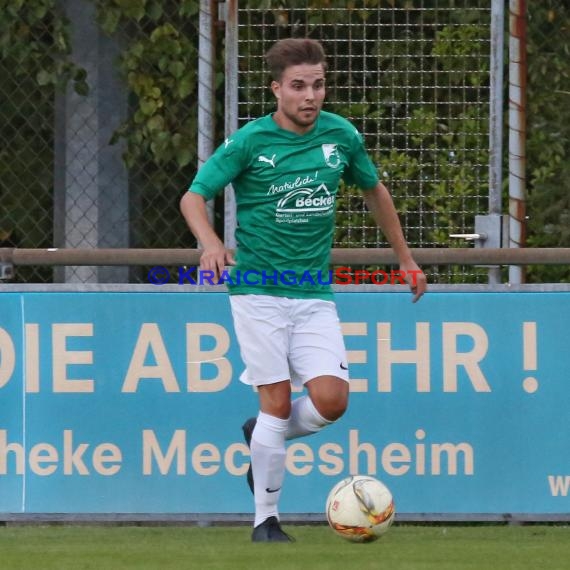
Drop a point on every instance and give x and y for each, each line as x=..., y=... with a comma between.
x=329, y=395
x=325, y=402
x=268, y=448
x=262, y=329
x=318, y=359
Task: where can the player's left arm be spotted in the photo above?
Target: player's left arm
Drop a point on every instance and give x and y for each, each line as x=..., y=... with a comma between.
x=381, y=206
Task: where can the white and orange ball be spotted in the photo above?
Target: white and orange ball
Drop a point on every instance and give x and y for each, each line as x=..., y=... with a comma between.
x=360, y=508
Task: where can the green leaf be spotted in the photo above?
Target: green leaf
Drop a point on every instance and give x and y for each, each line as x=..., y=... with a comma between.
x=80, y=74
x=183, y=156
x=155, y=123
x=45, y=77
x=110, y=18
x=133, y=8
x=81, y=88
x=185, y=87
x=189, y=7
x=170, y=46
x=40, y=10
x=177, y=140
x=163, y=63
x=14, y=7
x=148, y=106
x=155, y=11
x=177, y=68
x=164, y=31
x=137, y=50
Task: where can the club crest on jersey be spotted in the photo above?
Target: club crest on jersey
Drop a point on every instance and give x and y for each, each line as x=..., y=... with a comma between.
x=330, y=152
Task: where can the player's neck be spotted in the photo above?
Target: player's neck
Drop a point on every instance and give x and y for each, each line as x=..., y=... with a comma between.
x=287, y=124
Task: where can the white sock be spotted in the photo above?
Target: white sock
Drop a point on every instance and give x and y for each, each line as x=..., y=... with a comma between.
x=305, y=419
x=268, y=464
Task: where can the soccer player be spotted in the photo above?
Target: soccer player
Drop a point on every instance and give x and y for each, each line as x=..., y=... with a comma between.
x=285, y=168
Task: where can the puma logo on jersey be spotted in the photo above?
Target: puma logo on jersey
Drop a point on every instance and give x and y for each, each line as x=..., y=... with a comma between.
x=228, y=142
x=271, y=160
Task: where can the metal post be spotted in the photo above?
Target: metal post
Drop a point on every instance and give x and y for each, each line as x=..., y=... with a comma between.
x=206, y=88
x=496, y=118
x=114, y=217
x=231, y=105
x=91, y=192
x=517, y=130
x=76, y=200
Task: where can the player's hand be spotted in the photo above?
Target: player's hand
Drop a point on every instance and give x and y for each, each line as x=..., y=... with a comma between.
x=215, y=258
x=415, y=278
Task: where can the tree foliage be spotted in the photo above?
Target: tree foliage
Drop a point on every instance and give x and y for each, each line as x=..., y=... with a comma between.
x=160, y=65
x=436, y=162
x=548, y=133
x=35, y=60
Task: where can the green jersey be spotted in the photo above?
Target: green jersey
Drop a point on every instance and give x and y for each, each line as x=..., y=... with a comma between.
x=285, y=186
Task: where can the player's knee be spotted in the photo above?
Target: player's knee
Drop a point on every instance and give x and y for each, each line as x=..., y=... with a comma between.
x=337, y=409
x=277, y=408
x=332, y=408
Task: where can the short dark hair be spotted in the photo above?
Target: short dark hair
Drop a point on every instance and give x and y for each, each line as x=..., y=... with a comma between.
x=293, y=51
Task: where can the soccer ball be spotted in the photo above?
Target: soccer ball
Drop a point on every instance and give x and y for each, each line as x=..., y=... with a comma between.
x=360, y=508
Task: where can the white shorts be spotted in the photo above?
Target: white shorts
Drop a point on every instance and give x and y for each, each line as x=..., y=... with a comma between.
x=288, y=339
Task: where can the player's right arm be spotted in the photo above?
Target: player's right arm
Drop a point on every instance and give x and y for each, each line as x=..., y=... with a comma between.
x=214, y=256
x=215, y=174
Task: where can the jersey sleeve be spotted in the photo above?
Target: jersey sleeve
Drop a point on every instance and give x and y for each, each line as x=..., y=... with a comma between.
x=227, y=162
x=360, y=171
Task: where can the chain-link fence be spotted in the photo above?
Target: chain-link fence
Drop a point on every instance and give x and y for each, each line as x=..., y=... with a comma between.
x=413, y=77
x=97, y=127
x=99, y=107
x=548, y=132
x=27, y=129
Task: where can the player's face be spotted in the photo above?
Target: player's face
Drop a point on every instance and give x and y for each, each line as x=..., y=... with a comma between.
x=300, y=95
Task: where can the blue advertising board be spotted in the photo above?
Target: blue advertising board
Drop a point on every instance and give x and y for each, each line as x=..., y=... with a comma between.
x=129, y=402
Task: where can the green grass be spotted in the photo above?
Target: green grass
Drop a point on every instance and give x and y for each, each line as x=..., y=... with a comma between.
x=485, y=547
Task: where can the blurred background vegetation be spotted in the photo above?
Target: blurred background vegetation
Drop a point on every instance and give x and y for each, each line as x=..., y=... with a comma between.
x=159, y=65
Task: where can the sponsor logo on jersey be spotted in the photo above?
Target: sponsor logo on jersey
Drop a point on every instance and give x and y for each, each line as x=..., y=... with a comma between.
x=330, y=152
x=271, y=160
x=302, y=203
x=292, y=184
